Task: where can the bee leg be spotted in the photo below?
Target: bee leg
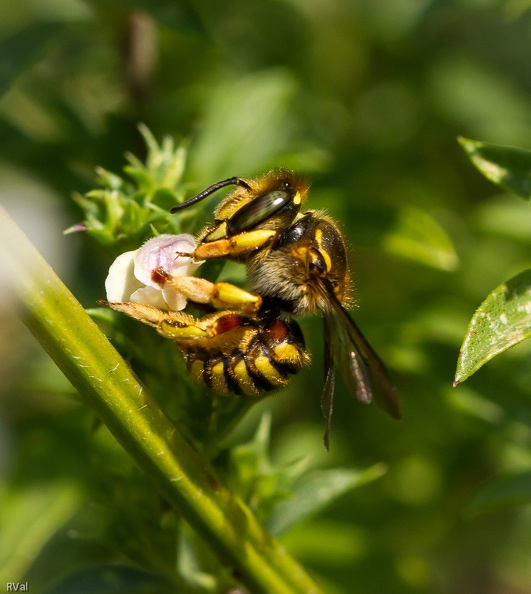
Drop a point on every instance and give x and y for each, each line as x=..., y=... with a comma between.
x=227, y=295
x=171, y=324
x=234, y=246
x=220, y=295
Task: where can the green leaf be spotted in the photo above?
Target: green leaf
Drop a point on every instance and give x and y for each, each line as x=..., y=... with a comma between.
x=164, y=165
x=501, y=322
x=315, y=490
x=506, y=490
x=122, y=213
x=507, y=167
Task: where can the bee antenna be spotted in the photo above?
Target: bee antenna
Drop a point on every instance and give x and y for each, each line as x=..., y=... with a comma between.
x=231, y=181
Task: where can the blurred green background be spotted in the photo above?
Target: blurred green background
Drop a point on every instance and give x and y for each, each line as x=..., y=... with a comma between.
x=366, y=98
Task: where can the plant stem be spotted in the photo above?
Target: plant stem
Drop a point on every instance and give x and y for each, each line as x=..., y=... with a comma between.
x=106, y=383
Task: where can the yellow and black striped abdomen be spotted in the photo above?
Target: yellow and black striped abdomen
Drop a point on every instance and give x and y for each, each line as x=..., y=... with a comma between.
x=246, y=356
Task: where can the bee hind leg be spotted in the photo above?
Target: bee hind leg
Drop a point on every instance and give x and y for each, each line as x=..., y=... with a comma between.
x=176, y=325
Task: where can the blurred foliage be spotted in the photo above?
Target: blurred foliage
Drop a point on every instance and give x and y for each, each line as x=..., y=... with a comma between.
x=366, y=98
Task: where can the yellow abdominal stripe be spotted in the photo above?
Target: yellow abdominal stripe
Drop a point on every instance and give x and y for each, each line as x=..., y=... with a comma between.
x=244, y=379
x=218, y=383
x=264, y=366
x=215, y=379
x=196, y=371
x=286, y=352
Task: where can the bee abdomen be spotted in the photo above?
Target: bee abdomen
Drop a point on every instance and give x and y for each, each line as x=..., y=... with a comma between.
x=264, y=363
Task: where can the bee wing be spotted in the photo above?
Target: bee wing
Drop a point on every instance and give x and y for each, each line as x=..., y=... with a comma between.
x=363, y=371
x=327, y=397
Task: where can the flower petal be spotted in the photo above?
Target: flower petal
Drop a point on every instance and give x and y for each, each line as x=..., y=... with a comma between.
x=121, y=282
x=174, y=300
x=150, y=296
x=160, y=252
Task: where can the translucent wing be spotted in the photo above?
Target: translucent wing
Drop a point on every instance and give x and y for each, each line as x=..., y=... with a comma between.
x=327, y=397
x=363, y=371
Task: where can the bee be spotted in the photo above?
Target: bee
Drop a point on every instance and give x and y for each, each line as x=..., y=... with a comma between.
x=227, y=351
x=297, y=265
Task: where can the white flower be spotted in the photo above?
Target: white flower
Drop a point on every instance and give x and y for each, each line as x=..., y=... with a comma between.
x=131, y=276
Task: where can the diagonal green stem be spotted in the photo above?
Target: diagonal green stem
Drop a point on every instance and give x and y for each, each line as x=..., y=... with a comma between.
x=102, y=378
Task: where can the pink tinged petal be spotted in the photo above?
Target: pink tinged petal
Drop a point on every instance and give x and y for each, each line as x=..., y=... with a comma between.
x=185, y=265
x=188, y=269
x=161, y=252
x=121, y=282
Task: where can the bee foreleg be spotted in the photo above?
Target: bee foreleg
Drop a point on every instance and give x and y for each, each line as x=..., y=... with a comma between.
x=235, y=245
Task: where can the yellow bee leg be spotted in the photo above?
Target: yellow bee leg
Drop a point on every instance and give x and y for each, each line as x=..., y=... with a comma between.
x=227, y=295
x=153, y=316
x=171, y=324
x=221, y=295
x=198, y=290
x=234, y=246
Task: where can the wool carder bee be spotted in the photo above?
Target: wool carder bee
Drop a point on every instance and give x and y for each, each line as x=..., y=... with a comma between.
x=296, y=265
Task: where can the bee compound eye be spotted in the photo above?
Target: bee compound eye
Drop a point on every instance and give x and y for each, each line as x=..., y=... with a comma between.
x=257, y=211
